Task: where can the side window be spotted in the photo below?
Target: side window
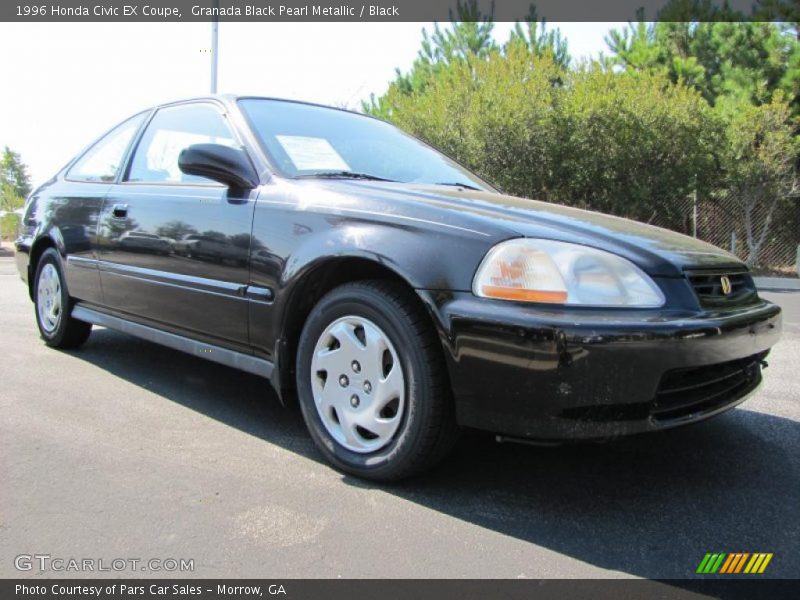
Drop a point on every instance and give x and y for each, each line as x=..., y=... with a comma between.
x=102, y=161
x=171, y=130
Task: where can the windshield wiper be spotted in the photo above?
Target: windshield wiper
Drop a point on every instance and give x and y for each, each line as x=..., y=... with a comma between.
x=457, y=184
x=345, y=175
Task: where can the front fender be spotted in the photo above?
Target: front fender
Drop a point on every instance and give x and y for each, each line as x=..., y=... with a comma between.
x=324, y=250
x=423, y=259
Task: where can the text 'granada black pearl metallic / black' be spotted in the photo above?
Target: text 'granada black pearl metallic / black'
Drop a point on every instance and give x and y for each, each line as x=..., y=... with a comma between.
x=396, y=295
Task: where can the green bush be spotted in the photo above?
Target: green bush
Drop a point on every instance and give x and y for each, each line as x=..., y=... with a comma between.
x=622, y=143
x=9, y=227
x=633, y=144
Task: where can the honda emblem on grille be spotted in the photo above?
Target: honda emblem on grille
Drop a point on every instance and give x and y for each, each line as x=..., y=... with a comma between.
x=726, y=284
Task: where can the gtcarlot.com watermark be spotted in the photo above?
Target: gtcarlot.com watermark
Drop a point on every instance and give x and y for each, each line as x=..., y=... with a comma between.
x=47, y=563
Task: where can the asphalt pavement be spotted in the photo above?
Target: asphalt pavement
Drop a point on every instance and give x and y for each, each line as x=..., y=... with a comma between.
x=127, y=450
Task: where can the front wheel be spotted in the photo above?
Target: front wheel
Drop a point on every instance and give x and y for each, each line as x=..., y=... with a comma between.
x=372, y=384
x=53, y=305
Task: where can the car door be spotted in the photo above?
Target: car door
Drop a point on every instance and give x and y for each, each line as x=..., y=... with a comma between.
x=155, y=258
x=74, y=203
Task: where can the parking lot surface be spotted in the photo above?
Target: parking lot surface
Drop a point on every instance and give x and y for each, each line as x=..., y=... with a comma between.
x=124, y=449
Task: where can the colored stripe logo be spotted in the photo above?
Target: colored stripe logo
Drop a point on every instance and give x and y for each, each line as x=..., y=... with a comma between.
x=734, y=562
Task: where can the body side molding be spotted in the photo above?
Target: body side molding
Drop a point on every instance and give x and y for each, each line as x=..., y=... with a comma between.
x=231, y=358
x=80, y=261
x=181, y=280
x=259, y=294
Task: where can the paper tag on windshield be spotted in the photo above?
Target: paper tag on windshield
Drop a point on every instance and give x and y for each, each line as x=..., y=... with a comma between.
x=310, y=153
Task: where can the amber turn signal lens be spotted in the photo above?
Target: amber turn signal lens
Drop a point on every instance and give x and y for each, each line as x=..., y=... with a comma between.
x=523, y=295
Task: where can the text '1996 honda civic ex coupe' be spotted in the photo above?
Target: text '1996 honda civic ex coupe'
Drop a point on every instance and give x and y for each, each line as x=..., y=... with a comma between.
x=394, y=294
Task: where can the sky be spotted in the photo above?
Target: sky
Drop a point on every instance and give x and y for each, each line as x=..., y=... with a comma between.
x=67, y=83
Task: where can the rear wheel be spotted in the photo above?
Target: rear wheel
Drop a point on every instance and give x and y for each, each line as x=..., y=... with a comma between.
x=372, y=383
x=53, y=305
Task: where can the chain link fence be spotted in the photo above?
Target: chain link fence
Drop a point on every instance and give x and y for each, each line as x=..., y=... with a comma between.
x=770, y=249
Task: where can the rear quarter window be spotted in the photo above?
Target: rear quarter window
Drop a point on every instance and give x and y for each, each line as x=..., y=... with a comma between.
x=102, y=162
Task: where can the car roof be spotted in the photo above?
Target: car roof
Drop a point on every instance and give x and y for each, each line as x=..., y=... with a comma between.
x=228, y=99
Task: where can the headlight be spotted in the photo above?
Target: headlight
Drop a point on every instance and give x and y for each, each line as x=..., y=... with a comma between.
x=530, y=270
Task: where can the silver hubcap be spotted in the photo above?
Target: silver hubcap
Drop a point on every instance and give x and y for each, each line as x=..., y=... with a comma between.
x=358, y=384
x=48, y=298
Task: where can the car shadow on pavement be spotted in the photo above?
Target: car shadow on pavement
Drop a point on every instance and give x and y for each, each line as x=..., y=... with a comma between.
x=650, y=506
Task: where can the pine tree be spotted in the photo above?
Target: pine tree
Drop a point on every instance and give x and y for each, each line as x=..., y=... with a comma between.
x=468, y=37
x=14, y=174
x=15, y=185
x=728, y=62
x=539, y=41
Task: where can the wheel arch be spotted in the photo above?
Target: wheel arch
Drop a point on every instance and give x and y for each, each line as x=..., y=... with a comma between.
x=310, y=286
x=47, y=240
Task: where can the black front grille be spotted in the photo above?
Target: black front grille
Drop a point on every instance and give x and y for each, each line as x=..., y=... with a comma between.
x=685, y=392
x=711, y=291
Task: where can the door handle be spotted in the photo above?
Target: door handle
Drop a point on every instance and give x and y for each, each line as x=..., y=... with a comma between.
x=119, y=211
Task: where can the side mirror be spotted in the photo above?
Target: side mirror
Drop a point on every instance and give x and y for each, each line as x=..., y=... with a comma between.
x=220, y=163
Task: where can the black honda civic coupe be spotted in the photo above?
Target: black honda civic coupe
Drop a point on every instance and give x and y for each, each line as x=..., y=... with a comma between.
x=397, y=296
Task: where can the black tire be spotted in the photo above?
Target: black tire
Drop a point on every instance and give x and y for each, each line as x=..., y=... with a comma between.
x=428, y=427
x=67, y=332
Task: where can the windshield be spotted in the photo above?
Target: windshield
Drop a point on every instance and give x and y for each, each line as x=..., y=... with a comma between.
x=313, y=141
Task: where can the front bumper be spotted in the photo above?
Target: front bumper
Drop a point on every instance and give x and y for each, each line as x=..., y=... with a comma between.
x=560, y=374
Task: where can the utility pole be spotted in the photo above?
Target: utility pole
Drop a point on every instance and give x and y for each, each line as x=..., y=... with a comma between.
x=214, y=47
x=694, y=211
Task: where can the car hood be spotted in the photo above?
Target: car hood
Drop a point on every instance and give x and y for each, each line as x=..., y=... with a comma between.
x=657, y=251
